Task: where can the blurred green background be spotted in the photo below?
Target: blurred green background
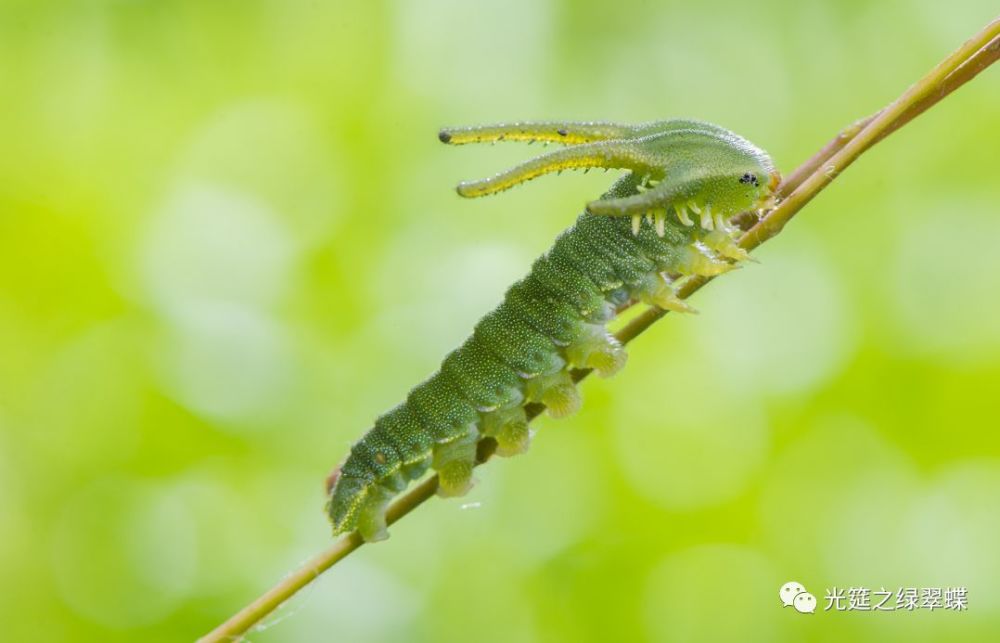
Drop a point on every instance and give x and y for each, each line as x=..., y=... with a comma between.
x=229, y=239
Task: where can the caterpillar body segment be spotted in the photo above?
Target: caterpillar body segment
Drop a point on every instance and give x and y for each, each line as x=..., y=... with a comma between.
x=481, y=377
x=554, y=319
x=545, y=312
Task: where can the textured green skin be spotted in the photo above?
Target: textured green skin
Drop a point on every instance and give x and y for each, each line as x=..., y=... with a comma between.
x=554, y=318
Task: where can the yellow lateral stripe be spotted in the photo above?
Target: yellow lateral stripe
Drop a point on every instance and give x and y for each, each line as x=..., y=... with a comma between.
x=607, y=154
x=528, y=171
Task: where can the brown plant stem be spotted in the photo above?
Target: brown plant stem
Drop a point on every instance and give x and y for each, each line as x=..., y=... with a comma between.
x=799, y=188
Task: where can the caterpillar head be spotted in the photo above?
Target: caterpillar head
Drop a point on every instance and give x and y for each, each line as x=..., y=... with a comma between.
x=757, y=189
x=742, y=177
x=677, y=164
x=723, y=176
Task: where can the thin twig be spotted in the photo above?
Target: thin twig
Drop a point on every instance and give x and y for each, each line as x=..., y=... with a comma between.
x=799, y=188
x=963, y=74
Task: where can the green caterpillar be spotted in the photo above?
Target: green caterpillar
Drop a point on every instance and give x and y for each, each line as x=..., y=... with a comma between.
x=634, y=244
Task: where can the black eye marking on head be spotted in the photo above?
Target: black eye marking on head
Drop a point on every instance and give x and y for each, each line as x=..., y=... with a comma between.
x=750, y=178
